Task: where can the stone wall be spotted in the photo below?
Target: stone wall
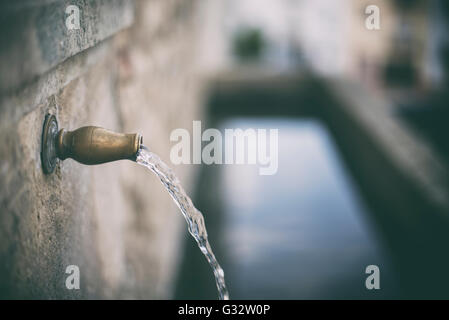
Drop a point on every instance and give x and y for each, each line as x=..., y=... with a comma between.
x=115, y=221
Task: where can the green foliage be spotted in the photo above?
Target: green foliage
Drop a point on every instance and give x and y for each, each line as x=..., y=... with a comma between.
x=248, y=44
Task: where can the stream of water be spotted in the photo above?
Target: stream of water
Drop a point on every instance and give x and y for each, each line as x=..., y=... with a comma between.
x=193, y=217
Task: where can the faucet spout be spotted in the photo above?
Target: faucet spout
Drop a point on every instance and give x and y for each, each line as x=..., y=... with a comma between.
x=88, y=145
x=94, y=145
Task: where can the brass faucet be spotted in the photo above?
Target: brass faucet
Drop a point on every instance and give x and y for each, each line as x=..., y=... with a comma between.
x=88, y=145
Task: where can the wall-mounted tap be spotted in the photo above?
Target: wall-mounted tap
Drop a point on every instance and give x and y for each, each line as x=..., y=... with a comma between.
x=88, y=145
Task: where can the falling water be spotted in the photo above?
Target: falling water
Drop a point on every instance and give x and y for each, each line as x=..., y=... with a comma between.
x=194, y=218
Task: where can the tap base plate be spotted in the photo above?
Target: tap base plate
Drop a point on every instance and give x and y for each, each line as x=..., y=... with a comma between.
x=48, y=147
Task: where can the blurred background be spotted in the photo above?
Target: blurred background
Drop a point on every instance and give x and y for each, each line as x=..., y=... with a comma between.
x=363, y=151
